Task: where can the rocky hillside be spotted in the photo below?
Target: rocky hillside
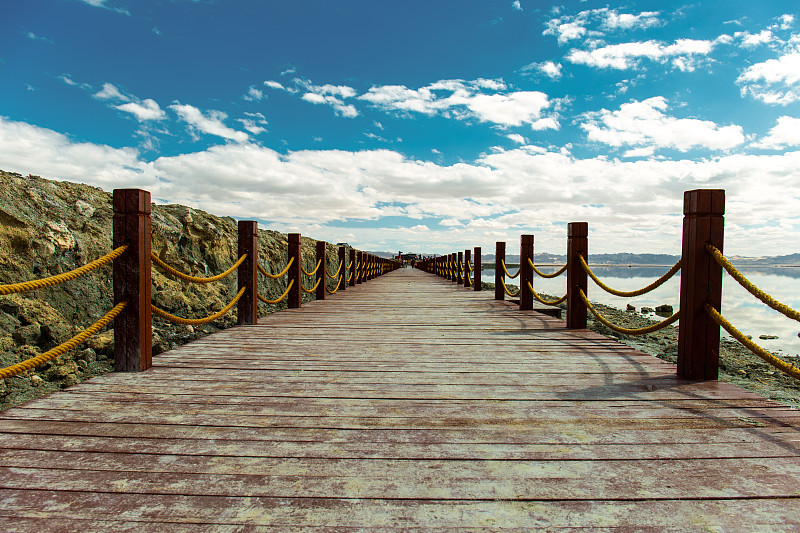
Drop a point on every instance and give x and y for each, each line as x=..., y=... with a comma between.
x=49, y=227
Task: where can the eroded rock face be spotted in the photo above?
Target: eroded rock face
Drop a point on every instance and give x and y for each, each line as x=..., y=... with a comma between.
x=49, y=227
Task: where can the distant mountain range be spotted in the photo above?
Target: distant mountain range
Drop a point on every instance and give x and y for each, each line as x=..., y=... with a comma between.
x=636, y=259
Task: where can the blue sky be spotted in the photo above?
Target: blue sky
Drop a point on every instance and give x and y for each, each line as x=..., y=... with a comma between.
x=423, y=126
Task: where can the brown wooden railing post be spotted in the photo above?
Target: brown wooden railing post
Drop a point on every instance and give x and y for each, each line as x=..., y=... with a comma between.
x=353, y=263
x=476, y=280
x=454, y=272
x=467, y=261
x=460, y=268
x=322, y=255
x=133, y=331
x=577, y=244
x=359, y=266
x=342, y=268
x=701, y=283
x=295, y=273
x=247, y=306
x=525, y=272
x=499, y=275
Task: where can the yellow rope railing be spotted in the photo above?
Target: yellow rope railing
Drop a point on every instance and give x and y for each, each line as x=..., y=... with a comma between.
x=780, y=364
x=313, y=272
x=469, y=267
x=350, y=277
x=338, y=271
x=279, y=300
x=338, y=286
x=641, y=331
x=750, y=287
x=312, y=289
x=540, y=274
x=276, y=276
x=469, y=280
x=197, y=321
x=509, y=276
x=61, y=278
x=195, y=279
x=542, y=300
x=18, y=368
x=508, y=291
x=657, y=283
x=350, y=266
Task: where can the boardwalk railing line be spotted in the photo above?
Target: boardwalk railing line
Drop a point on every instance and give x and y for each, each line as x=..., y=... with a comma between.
x=698, y=317
x=133, y=308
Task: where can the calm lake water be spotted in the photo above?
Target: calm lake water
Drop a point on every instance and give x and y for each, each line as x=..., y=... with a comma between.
x=743, y=310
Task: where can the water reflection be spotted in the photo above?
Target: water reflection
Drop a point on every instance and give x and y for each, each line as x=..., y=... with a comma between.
x=743, y=310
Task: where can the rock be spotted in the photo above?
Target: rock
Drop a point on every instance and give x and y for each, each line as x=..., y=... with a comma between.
x=630, y=308
x=84, y=209
x=102, y=343
x=647, y=310
x=665, y=308
x=27, y=335
x=767, y=337
x=36, y=380
x=61, y=371
x=70, y=380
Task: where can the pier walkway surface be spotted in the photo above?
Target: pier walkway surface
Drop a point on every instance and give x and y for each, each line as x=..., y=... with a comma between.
x=403, y=404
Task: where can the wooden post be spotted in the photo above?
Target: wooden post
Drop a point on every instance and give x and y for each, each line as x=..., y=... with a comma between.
x=133, y=327
x=467, y=261
x=295, y=273
x=454, y=275
x=322, y=248
x=499, y=275
x=476, y=280
x=359, y=266
x=577, y=244
x=342, y=284
x=247, y=306
x=701, y=283
x=525, y=272
x=460, y=268
x=353, y=269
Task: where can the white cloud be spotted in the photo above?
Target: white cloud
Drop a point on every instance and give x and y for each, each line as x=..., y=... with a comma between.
x=646, y=19
x=516, y=5
x=110, y=92
x=774, y=81
x=145, y=110
x=565, y=31
x=31, y=149
x=517, y=138
x=785, y=133
x=629, y=204
x=102, y=3
x=752, y=40
x=624, y=56
x=645, y=124
x=548, y=68
x=274, y=85
x=465, y=100
x=212, y=123
x=787, y=21
x=332, y=95
x=253, y=95
x=32, y=36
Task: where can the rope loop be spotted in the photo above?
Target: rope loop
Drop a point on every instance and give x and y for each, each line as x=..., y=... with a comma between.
x=313, y=272
x=641, y=331
x=312, y=289
x=509, y=276
x=508, y=291
x=194, y=279
x=336, y=274
x=750, y=287
x=197, y=321
x=338, y=286
x=276, y=276
x=279, y=300
x=28, y=364
x=778, y=363
x=657, y=283
x=66, y=276
x=540, y=274
x=542, y=300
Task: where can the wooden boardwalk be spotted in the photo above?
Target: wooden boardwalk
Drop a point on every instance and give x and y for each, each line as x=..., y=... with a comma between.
x=402, y=404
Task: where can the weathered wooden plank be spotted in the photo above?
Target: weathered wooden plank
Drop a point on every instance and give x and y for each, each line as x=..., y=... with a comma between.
x=404, y=403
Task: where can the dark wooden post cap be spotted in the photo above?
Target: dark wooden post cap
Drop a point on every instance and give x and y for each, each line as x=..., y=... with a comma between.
x=704, y=202
x=578, y=229
x=128, y=201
